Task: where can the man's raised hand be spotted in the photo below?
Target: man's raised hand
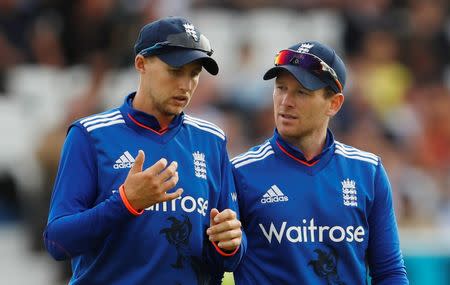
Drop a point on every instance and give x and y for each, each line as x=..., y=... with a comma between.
x=145, y=188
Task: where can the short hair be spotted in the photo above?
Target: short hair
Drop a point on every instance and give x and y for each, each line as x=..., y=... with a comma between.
x=329, y=92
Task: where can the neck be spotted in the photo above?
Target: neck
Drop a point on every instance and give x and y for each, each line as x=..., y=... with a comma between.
x=145, y=104
x=310, y=145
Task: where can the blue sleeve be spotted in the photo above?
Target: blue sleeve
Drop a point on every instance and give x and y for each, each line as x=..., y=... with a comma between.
x=241, y=187
x=228, y=200
x=384, y=255
x=76, y=223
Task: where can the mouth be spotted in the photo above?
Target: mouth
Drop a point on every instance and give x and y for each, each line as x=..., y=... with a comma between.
x=180, y=100
x=287, y=116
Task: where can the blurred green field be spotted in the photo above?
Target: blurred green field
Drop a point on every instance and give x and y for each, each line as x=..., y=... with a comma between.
x=228, y=279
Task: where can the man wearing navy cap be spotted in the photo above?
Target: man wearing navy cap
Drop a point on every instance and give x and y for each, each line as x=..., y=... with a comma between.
x=314, y=210
x=145, y=193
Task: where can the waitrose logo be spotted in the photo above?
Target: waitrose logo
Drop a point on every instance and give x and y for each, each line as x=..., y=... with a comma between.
x=311, y=233
x=187, y=204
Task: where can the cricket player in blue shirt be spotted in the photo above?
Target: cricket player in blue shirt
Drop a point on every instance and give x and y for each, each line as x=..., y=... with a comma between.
x=315, y=211
x=145, y=193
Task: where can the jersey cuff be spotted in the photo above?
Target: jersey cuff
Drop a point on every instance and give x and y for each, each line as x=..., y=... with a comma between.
x=127, y=203
x=223, y=253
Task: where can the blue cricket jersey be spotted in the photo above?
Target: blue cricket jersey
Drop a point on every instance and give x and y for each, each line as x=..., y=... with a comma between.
x=167, y=244
x=325, y=221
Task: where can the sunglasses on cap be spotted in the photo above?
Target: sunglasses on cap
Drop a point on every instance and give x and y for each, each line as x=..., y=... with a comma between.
x=309, y=62
x=182, y=40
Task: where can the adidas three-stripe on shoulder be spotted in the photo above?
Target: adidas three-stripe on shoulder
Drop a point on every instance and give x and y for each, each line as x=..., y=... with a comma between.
x=204, y=126
x=260, y=153
x=103, y=120
x=354, y=153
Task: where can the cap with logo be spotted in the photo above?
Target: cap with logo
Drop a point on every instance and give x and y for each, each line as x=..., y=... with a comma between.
x=313, y=64
x=176, y=42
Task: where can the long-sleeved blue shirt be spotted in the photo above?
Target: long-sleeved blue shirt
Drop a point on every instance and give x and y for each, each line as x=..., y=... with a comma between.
x=90, y=223
x=325, y=221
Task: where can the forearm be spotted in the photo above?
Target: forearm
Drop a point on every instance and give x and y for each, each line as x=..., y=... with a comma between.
x=388, y=266
x=384, y=254
x=392, y=277
x=70, y=235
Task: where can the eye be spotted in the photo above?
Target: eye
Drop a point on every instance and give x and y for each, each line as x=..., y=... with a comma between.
x=280, y=87
x=175, y=71
x=303, y=92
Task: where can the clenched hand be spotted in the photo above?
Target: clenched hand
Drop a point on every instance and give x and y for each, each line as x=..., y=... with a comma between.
x=225, y=229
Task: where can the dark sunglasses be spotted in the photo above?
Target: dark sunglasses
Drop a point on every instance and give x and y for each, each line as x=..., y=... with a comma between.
x=182, y=40
x=309, y=62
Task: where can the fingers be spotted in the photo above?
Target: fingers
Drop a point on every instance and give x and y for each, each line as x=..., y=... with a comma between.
x=230, y=244
x=168, y=178
x=170, y=183
x=225, y=215
x=172, y=196
x=164, y=178
x=156, y=168
x=169, y=172
x=148, y=187
x=212, y=215
x=225, y=229
x=138, y=163
x=227, y=239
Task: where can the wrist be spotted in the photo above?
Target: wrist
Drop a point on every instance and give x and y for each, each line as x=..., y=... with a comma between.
x=225, y=252
x=126, y=202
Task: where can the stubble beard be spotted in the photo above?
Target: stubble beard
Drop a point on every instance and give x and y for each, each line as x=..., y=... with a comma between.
x=166, y=109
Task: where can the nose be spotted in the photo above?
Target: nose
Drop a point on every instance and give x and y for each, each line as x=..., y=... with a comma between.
x=287, y=99
x=185, y=83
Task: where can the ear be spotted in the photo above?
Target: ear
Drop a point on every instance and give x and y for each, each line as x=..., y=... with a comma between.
x=139, y=63
x=336, y=102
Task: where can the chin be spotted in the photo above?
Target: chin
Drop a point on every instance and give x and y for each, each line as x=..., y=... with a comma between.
x=284, y=132
x=175, y=111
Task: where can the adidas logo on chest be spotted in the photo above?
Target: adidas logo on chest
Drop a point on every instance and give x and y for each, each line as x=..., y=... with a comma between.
x=274, y=195
x=126, y=160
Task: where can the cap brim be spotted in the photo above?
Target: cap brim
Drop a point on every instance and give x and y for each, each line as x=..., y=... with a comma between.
x=305, y=78
x=180, y=57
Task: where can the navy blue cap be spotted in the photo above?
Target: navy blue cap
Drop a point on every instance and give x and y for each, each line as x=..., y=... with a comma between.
x=309, y=80
x=176, y=42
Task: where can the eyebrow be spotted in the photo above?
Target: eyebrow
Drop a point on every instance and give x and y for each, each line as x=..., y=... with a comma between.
x=300, y=86
x=304, y=89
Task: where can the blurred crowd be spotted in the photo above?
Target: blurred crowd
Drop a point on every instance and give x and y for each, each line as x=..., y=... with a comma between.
x=71, y=56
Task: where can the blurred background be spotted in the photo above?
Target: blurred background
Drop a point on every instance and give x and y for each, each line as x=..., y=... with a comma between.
x=62, y=60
